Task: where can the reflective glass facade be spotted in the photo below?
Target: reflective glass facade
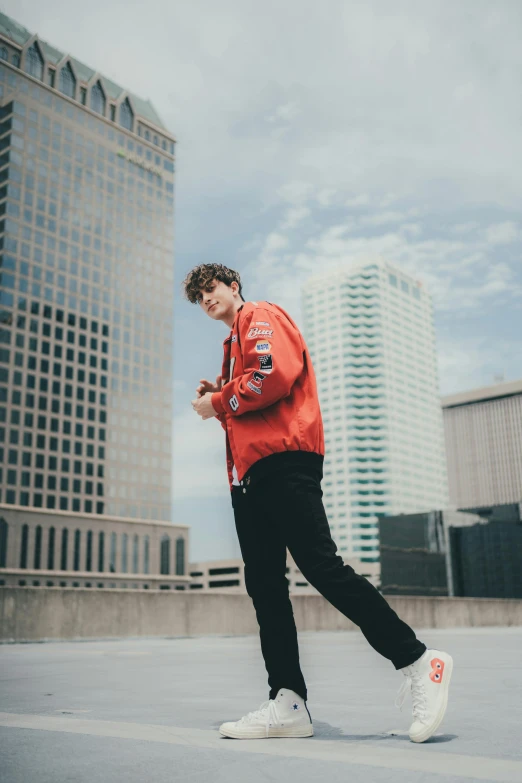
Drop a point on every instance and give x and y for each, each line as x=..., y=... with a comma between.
x=86, y=302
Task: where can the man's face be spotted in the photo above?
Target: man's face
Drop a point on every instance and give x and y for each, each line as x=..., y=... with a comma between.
x=219, y=300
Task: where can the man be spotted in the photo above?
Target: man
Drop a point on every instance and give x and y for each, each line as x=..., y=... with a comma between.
x=266, y=400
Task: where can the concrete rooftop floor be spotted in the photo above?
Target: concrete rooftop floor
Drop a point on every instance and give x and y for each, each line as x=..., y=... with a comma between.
x=148, y=709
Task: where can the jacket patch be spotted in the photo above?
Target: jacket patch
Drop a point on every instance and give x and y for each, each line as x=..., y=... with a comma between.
x=234, y=338
x=262, y=323
x=265, y=363
x=256, y=332
x=234, y=402
x=253, y=388
x=262, y=347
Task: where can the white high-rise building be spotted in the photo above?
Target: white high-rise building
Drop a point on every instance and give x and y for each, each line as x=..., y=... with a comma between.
x=370, y=332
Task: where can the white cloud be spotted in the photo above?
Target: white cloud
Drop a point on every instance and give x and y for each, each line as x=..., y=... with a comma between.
x=362, y=200
x=274, y=242
x=465, y=228
x=295, y=192
x=284, y=112
x=415, y=229
x=472, y=362
x=503, y=233
x=326, y=196
x=457, y=268
x=381, y=218
x=294, y=216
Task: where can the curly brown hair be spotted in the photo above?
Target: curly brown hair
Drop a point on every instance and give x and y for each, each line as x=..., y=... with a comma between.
x=201, y=276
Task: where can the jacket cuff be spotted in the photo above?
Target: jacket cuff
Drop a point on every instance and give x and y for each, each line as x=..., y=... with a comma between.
x=216, y=402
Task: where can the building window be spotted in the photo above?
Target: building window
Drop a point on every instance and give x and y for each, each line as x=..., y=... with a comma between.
x=180, y=556
x=4, y=54
x=88, y=552
x=146, y=555
x=101, y=551
x=34, y=63
x=68, y=81
x=135, y=545
x=124, y=545
x=24, y=546
x=83, y=95
x=38, y=548
x=165, y=555
x=98, y=100
x=50, y=549
x=51, y=77
x=4, y=529
x=112, y=111
x=126, y=115
x=63, y=555
x=112, y=559
x=77, y=541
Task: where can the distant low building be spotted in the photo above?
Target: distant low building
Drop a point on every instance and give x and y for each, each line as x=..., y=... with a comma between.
x=486, y=559
x=469, y=552
x=229, y=575
x=44, y=548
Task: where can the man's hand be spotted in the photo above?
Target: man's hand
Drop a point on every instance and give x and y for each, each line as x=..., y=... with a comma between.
x=206, y=387
x=203, y=406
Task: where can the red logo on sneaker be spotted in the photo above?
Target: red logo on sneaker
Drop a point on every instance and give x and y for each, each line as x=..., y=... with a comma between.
x=438, y=670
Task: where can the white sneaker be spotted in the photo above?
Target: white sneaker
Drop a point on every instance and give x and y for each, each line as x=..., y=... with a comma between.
x=285, y=716
x=429, y=679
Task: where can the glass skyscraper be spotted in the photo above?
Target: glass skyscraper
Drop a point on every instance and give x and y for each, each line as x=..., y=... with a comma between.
x=86, y=288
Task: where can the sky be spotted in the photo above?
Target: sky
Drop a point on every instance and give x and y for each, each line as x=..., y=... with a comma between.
x=314, y=135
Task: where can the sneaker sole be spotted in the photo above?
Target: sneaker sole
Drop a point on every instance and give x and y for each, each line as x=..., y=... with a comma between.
x=296, y=732
x=440, y=717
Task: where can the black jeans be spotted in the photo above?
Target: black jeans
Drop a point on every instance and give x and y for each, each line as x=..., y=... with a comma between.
x=281, y=506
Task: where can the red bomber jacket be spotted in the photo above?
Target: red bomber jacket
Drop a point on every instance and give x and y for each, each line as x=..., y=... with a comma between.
x=268, y=402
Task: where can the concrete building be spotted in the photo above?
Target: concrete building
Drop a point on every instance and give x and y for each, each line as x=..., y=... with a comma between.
x=229, y=575
x=483, y=431
x=49, y=548
x=86, y=298
x=370, y=331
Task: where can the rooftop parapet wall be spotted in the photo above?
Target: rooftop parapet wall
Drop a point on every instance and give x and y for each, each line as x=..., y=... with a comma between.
x=38, y=614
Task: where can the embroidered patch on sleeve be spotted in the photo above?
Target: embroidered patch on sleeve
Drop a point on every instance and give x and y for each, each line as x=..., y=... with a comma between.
x=255, y=331
x=253, y=388
x=262, y=347
x=266, y=364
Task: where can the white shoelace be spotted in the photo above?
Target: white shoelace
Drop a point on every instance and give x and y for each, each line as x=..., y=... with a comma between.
x=265, y=712
x=415, y=684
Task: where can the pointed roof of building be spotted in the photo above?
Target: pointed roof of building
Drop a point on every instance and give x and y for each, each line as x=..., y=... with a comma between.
x=20, y=35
